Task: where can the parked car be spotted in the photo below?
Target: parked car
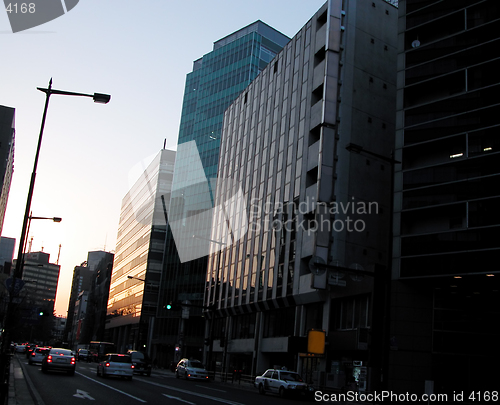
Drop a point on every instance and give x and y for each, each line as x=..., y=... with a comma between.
x=38, y=354
x=141, y=361
x=191, y=369
x=83, y=355
x=113, y=364
x=283, y=382
x=60, y=360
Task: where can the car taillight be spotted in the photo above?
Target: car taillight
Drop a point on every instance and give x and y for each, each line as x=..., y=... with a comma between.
x=107, y=364
x=33, y=353
x=49, y=359
x=72, y=360
x=132, y=366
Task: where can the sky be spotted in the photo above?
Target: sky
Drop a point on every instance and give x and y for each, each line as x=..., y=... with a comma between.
x=139, y=52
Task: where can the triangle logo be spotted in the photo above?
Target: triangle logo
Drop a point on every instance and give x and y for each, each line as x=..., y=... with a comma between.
x=32, y=13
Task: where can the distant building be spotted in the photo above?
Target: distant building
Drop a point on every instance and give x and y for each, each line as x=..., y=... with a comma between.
x=137, y=266
x=446, y=278
x=7, y=136
x=97, y=301
x=41, y=278
x=7, y=246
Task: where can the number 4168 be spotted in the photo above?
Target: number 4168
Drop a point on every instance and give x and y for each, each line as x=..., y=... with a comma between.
x=23, y=8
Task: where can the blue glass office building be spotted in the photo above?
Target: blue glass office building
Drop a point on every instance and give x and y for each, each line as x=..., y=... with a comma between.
x=216, y=80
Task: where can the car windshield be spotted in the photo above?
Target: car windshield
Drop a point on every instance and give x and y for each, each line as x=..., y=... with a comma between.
x=43, y=351
x=120, y=358
x=138, y=355
x=291, y=377
x=196, y=364
x=61, y=352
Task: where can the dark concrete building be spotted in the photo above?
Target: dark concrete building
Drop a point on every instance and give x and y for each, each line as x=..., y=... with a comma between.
x=305, y=230
x=445, y=293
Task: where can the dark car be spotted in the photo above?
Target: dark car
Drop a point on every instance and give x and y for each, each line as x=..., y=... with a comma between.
x=141, y=362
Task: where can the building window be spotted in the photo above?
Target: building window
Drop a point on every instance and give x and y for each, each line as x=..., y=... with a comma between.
x=279, y=323
x=351, y=313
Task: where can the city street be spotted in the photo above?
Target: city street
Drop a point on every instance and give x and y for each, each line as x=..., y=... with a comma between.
x=57, y=388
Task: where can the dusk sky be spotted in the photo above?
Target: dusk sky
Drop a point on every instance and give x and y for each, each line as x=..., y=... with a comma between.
x=140, y=53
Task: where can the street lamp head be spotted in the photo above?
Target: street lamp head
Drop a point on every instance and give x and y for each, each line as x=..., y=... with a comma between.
x=101, y=98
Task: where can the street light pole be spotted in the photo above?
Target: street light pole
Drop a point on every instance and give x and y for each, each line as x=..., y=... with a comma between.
x=5, y=359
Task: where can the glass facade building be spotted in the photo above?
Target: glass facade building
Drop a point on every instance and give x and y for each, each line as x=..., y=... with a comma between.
x=446, y=219
x=137, y=265
x=7, y=136
x=216, y=80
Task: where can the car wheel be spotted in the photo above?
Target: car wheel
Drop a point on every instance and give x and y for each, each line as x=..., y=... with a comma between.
x=186, y=375
x=129, y=378
x=262, y=391
x=177, y=374
x=30, y=362
x=148, y=374
x=98, y=372
x=72, y=372
x=44, y=369
x=282, y=392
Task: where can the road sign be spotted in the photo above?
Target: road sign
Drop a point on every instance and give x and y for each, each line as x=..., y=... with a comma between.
x=18, y=285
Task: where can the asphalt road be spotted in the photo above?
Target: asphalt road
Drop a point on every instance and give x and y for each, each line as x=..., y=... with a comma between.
x=56, y=388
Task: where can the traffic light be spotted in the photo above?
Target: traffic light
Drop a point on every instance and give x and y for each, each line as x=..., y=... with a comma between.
x=43, y=312
x=174, y=306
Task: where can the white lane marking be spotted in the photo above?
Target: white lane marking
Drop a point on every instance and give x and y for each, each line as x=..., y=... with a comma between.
x=218, y=399
x=83, y=395
x=110, y=387
x=179, y=399
x=213, y=389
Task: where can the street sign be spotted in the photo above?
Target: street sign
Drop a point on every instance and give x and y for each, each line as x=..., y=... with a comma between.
x=18, y=285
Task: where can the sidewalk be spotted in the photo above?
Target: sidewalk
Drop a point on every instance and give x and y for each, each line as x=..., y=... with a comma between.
x=19, y=390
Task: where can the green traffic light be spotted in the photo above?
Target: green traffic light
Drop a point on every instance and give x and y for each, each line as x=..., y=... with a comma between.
x=169, y=306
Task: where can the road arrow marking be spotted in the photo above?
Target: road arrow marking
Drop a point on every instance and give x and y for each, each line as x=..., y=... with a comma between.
x=179, y=399
x=83, y=395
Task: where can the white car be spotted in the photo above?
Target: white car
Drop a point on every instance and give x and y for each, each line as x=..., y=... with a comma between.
x=283, y=382
x=38, y=354
x=191, y=369
x=118, y=365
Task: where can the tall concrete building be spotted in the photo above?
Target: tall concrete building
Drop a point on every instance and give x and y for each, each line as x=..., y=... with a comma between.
x=7, y=136
x=446, y=244
x=83, y=279
x=137, y=266
x=41, y=278
x=309, y=143
x=216, y=80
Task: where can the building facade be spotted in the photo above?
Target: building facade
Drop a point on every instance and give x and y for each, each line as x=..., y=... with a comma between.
x=446, y=217
x=316, y=213
x=7, y=137
x=216, y=80
x=41, y=278
x=137, y=266
x=82, y=279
